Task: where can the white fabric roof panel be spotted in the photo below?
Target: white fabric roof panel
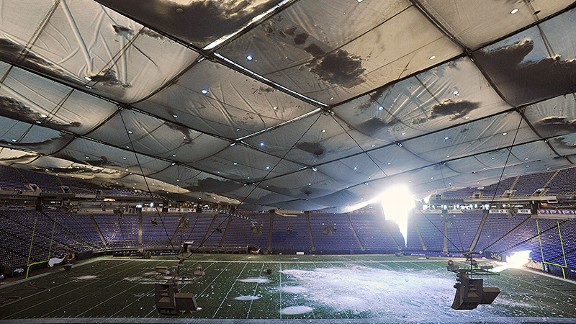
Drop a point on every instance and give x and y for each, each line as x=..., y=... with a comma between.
x=305, y=184
x=553, y=117
x=315, y=139
x=76, y=170
x=30, y=137
x=301, y=104
x=449, y=94
x=9, y=155
x=39, y=100
x=396, y=159
x=83, y=42
x=156, y=137
x=352, y=170
x=246, y=165
x=478, y=136
x=310, y=54
x=544, y=51
x=474, y=24
x=98, y=154
x=198, y=22
x=565, y=144
x=212, y=98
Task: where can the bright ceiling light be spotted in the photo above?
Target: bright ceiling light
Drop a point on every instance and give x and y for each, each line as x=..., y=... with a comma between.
x=515, y=10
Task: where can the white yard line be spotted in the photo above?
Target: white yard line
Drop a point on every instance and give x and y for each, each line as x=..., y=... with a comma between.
x=229, y=290
x=60, y=295
x=198, y=296
x=254, y=294
x=280, y=289
x=116, y=295
x=57, y=286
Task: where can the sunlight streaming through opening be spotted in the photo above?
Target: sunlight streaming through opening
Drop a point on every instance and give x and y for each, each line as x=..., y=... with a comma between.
x=397, y=203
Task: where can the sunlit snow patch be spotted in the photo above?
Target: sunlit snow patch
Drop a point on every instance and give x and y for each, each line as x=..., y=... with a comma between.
x=363, y=289
x=242, y=297
x=255, y=280
x=296, y=310
x=293, y=289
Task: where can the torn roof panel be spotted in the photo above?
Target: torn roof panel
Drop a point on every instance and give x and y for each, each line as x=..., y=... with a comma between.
x=380, y=95
x=553, y=117
x=87, y=45
x=526, y=68
x=29, y=137
x=197, y=22
x=54, y=105
x=98, y=154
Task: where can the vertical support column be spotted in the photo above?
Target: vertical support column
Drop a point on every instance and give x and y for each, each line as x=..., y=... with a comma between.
x=540, y=242
x=270, y=231
x=223, y=238
x=140, y=221
x=479, y=231
x=445, y=248
x=355, y=234
x=312, y=246
x=563, y=252
x=98, y=231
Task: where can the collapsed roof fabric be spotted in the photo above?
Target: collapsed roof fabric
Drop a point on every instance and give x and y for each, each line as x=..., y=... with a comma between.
x=308, y=104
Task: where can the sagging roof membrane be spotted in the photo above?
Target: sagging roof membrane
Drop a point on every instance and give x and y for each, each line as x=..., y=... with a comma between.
x=309, y=104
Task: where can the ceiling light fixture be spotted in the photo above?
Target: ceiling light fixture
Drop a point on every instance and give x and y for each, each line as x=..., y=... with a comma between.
x=515, y=10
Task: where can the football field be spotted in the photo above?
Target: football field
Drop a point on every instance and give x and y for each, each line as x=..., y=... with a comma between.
x=262, y=288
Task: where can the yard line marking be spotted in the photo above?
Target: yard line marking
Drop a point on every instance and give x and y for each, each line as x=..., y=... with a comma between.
x=58, y=296
x=229, y=290
x=211, y=282
x=121, y=292
x=552, y=296
x=5, y=285
x=510, y=320
x=254, y=294
x=60, y=285
x=198, y=295
x=280, y=288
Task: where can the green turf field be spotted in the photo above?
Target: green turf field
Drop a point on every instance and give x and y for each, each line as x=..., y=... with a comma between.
x=308, y=288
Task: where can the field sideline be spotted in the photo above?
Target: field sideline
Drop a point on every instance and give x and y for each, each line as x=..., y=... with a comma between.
x=363, y=289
